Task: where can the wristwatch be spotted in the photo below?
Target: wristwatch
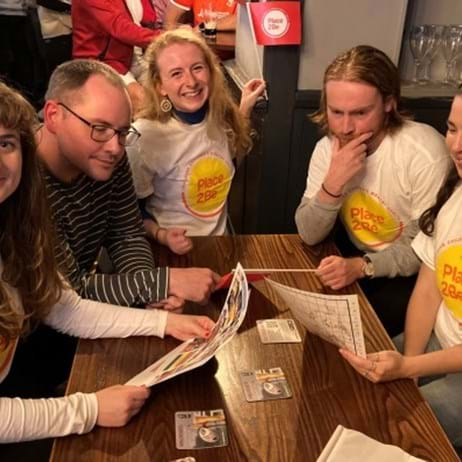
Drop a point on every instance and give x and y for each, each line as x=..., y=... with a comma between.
x=368, y=267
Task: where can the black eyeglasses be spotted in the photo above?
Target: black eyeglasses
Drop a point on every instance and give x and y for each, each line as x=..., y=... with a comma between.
x=103, y=133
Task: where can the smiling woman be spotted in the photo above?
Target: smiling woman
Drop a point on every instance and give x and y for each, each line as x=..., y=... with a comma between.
x=21, y=246
x=10, y=162
x=432, y=336
x=192, y=131
x=32, y=292
x=184, y=76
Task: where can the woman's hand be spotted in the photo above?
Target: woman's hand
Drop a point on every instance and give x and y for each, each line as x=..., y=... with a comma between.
x=186, y=326
x=378, y=367
x=118, y=404
x=175, y=239
x=250, y=93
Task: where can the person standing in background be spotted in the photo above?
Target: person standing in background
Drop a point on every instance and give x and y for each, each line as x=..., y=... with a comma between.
x=160, y=6
x=22, y=58
x=115, y=32
x=225, y=11
x=56, y=27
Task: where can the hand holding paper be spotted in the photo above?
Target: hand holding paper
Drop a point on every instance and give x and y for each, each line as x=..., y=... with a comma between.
x=197, y=351
x=338, y=272
x=335, y=318
x=185, y=326
x=119, y=403
x=378, y=367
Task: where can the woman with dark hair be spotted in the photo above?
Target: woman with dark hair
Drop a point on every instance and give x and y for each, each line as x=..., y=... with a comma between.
x=32, y=291
x=433, y=333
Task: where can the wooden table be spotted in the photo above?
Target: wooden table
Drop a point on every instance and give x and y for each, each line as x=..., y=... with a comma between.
x=326, y=390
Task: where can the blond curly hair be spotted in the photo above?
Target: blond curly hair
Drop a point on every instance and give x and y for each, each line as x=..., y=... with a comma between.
x=223, y=113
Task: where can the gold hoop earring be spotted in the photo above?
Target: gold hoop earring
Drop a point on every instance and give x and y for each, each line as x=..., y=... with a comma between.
x=165, y=105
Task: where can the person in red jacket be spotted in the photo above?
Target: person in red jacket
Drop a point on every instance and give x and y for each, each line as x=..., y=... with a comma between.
x=115, y=32
x=224, y=9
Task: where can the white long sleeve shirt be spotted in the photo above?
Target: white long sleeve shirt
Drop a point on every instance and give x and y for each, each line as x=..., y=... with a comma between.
x=382, y=204
x=31, y=419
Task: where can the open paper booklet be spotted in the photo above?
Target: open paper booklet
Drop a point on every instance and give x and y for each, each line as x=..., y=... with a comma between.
x=195, y=352
x=335, y=318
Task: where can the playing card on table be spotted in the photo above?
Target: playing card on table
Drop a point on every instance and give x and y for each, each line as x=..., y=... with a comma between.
x=278, y=331
x=265, y=384
x=200, y=429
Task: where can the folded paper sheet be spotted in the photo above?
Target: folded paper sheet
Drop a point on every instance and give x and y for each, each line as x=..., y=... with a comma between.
x=346, y=445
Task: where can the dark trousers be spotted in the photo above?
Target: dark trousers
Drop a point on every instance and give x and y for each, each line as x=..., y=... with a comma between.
x=41, y=363
x=22, y=60
x=36, y=451
x=57, y=51
x=388, y=297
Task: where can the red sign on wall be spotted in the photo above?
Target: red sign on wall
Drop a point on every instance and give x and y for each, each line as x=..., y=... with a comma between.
x=276, y=23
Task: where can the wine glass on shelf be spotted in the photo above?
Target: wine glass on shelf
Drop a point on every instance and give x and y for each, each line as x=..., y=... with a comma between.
x=452, y=49
x=434, y=35
x=418, y=42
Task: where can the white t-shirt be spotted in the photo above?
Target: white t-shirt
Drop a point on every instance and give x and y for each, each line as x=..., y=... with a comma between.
x=32, y=419
x=400, y=181
x=442, y=253
x=184, y=174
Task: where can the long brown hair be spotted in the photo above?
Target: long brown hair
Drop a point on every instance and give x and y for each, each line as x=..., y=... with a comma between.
x=365, y=64
x=26, y=246
x=427, y=219
x=223, y=111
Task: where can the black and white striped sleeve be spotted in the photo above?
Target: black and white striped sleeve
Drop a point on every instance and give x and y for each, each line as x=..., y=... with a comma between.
x=136, y=281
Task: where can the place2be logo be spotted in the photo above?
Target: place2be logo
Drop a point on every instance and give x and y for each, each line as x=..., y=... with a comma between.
x=275, y=23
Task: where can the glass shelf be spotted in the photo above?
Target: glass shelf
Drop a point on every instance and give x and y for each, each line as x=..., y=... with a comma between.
x=428, y=90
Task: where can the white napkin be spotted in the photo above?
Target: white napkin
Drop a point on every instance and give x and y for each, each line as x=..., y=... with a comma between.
x=347, y=445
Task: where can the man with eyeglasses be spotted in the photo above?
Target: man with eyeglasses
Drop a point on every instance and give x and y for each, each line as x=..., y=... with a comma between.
x=87, y=118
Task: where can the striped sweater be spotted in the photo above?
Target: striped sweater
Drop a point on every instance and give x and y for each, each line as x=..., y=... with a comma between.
x=89, y=215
